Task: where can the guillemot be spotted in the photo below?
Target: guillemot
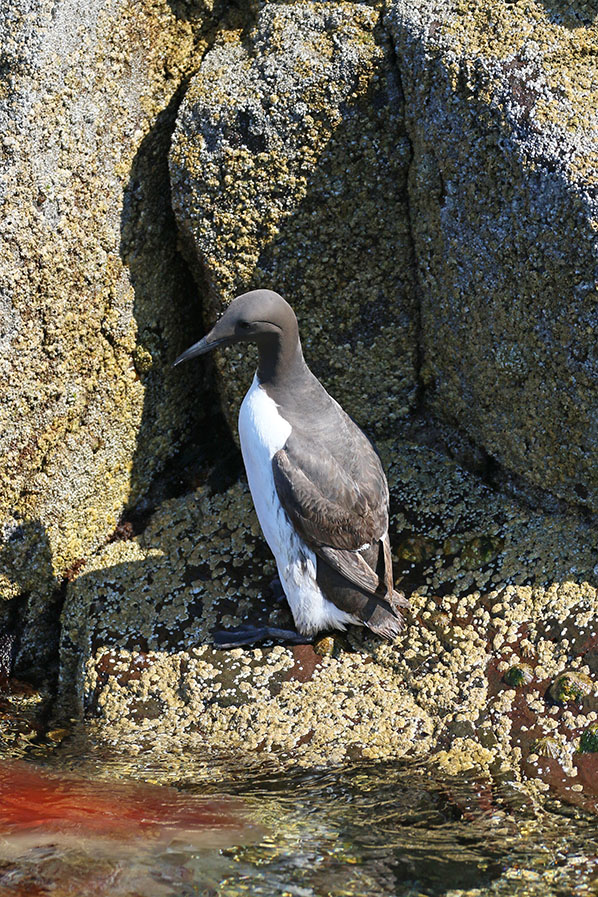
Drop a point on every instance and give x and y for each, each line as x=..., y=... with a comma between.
x=317, y=484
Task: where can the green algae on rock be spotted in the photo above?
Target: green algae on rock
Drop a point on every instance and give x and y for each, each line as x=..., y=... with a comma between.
x=571, y=685
x=588, y=743
x=519, y=674
x=500, y=105
x=288, y=166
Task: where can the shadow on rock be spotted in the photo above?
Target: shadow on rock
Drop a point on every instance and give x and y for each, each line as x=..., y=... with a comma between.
x=492, y=585
x=29, y=625
x=571, y=13
x=168, y=314
x=200, y=563
x=315, y=209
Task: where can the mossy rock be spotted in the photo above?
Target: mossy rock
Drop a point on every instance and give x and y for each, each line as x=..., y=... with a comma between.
x=96, y=301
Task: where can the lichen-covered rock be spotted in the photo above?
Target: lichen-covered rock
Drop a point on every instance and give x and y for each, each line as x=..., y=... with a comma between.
x=95, y=302
x=500, y=103
x=137, y=648
x=288, y=168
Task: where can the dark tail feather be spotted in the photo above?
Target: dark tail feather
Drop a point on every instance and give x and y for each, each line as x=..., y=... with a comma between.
x=398, y=600
x=386, y=621
x=374, y=611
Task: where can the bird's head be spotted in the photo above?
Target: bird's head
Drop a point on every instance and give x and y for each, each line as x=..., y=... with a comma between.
x=261, y=317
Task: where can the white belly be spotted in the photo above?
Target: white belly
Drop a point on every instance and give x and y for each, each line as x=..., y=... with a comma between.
x=263, y=432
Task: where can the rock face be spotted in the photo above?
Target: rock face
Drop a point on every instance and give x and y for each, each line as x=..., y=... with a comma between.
x=94, y=299
x=418, y=180
x=492, y=586
x=289, y=169
x=500, y=103
x=289, y=164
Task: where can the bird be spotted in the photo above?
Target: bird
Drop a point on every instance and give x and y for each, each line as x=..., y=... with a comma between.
x=317, y=483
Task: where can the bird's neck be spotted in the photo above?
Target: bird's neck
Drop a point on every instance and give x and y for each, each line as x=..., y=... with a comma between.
x=281, y=361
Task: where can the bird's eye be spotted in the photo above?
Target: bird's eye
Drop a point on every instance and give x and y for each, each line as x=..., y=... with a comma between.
x=244, y=325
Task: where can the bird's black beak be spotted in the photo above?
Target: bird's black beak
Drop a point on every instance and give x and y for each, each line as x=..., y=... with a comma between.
x=204, y=345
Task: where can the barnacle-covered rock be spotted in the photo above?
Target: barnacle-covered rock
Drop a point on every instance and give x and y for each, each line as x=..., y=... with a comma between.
x=571, y=685
x=137, y=648
x=327, y=646
x=94, y=297
x=416, y=549
x=501, y=113
x=479, y=551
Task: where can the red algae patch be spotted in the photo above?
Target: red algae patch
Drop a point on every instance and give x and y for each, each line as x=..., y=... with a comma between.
x=41, y=804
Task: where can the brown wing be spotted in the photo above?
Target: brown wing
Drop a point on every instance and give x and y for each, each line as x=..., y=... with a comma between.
x=337, y=505
x=352, y=566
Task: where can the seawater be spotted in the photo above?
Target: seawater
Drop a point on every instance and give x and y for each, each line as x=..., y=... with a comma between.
x=387, y=829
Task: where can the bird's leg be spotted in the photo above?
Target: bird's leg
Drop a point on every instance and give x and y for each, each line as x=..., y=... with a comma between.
x=248, y=634
x=277, y=590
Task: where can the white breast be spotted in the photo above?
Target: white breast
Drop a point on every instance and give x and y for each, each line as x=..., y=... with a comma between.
x=263, y=431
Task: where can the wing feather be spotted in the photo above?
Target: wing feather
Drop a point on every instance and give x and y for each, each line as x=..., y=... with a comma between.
x=352, y=566
x=325, y=503
x=336, y=506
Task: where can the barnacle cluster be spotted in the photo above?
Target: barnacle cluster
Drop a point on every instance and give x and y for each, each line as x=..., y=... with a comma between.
x=443, y=688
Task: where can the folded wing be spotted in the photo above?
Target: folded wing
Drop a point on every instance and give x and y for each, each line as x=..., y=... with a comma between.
x=338, y=504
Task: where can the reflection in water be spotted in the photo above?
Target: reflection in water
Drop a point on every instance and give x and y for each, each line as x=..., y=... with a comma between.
x=386, y=830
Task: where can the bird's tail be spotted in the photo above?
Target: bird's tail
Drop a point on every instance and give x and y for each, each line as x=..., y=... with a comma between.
x=398, y=600
x=388, y=621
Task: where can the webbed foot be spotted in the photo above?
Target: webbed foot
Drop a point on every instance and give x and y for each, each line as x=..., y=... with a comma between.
x=237, y=636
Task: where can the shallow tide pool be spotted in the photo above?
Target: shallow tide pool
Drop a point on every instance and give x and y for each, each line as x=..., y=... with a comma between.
x=76, y=821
